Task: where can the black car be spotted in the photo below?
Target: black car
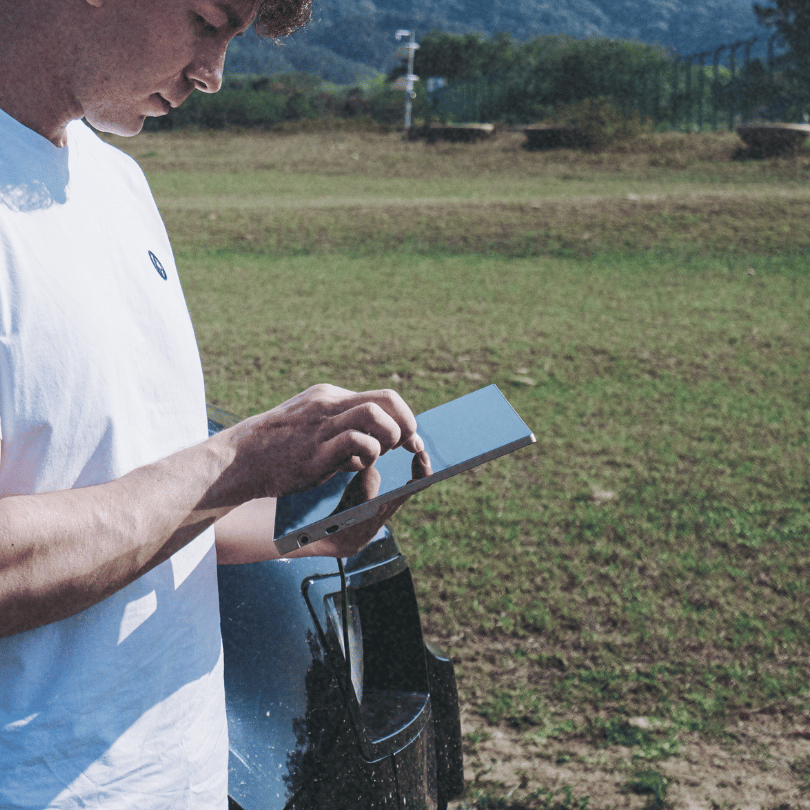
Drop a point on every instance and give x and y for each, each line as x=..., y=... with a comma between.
x=335, y=701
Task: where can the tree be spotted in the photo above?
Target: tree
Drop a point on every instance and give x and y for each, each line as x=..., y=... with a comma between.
x=791, y=20
x=463, y=56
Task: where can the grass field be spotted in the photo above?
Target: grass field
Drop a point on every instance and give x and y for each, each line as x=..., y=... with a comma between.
x=626, y=602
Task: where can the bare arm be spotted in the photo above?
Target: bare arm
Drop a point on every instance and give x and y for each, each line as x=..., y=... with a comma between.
x=245, y=535
x=62, y=552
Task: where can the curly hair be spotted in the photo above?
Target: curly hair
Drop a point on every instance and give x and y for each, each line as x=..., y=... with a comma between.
x=278, y=18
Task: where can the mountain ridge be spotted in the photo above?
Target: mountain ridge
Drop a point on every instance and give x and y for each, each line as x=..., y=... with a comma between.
x=350, y=41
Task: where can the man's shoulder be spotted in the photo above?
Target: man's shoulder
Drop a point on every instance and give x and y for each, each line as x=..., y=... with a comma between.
x=81, y=134
x=103, y=160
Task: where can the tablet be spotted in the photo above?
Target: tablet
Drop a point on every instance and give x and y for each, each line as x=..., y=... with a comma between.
x=458, y=435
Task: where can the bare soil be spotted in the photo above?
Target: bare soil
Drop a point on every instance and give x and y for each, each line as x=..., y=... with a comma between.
x=751, y=772
x=762, y=762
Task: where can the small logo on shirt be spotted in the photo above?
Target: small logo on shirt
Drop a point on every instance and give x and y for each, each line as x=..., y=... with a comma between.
x=158, y=266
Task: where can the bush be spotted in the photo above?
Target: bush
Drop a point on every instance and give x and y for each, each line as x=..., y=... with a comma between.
x=279, y=101
x=600, y=122
x=231, y=106
x=528, y=77
x=298, y=106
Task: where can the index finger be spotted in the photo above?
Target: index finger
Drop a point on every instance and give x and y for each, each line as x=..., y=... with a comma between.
x=393, y=404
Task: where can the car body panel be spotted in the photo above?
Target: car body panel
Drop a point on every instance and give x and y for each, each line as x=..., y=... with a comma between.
x=311, y=729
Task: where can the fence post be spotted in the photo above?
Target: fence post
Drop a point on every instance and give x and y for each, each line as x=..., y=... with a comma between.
x=674, y=94
x=688, y=91
x=746, y=112
x=732, y=66
x=772, y=70
x=701, y=57
x=716, y=86
x=659, y=94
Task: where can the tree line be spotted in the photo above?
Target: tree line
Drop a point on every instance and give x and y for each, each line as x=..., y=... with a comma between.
x=533, y=80
x=790, y=19
x=544, y=72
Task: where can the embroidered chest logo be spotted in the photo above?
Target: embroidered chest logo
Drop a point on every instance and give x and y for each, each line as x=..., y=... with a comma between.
x=158, y=266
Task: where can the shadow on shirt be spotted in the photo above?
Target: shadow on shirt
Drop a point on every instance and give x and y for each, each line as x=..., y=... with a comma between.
x=94, y=715
x=34, y=186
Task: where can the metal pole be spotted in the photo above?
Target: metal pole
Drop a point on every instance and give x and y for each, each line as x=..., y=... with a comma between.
x=716, y=94
x=771, y=73
x=732, y=67
x=674, y=99
x=409, y=88
x=689, y=61
x=747, y=75
x=409, y=78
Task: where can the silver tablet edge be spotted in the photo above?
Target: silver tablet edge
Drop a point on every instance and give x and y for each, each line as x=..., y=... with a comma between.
x=306, y=535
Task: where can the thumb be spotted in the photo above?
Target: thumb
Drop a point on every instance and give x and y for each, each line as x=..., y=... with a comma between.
x=362, y=488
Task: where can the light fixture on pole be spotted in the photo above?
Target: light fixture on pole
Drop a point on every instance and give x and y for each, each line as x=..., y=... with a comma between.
x=406, y=83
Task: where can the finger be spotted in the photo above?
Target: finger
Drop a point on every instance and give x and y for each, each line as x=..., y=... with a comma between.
x=420, y=466
x=369, y=418
x=415, y=444
x=350, y=451
x=362, y=488
x=388, y=510
x=393, y=404
x=349, y=541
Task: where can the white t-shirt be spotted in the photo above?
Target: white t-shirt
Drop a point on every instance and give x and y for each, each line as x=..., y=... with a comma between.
x=121, y=706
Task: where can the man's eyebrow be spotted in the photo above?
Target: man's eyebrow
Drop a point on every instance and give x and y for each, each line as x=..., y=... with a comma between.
x=235, y=22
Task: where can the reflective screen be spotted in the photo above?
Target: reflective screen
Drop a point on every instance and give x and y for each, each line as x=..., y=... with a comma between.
x=457, y=435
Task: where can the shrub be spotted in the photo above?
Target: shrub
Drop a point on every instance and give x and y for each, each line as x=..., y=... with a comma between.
x=231, y=106
x=600, y=122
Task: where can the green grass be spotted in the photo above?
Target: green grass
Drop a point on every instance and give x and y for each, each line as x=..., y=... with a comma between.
x=648, y=557
x=681, y=390
x=372, y=194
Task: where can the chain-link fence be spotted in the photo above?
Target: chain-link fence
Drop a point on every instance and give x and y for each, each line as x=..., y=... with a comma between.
x=723, y=88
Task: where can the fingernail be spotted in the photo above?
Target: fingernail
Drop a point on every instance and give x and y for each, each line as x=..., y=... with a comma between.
x=418, y=443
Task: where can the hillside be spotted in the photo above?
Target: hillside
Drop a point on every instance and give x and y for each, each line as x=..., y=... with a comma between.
x=351, y=40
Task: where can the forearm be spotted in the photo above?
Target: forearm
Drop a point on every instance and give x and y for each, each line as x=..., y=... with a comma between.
x=246, y=534
x=62, y=552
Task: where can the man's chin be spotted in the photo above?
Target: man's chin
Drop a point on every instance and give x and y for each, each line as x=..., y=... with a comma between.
x=125, y=129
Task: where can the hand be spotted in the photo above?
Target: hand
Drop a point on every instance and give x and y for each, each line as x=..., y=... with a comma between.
x=363, y=487
x=245, y=534
x=304, y=441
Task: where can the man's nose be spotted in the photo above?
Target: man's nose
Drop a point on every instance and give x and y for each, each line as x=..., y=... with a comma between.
x=205, y=72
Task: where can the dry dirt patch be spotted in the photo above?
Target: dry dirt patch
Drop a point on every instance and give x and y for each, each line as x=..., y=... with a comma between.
x=751, y=772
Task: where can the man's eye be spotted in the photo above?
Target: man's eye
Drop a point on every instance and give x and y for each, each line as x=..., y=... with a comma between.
x=205, y=25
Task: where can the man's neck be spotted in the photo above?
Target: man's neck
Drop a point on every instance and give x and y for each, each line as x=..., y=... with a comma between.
x=34, y=61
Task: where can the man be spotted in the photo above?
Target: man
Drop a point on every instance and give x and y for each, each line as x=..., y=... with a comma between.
x=110, y=658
